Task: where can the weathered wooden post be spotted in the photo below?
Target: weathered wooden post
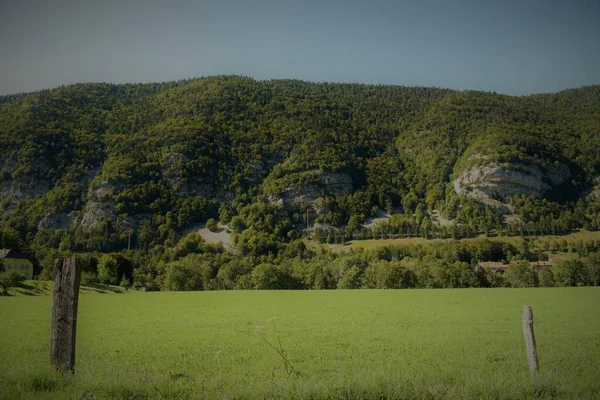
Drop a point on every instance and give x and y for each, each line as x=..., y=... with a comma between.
x=532, y=356
x=64, y=314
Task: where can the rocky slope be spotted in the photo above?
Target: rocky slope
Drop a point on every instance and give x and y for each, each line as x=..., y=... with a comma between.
x=174, y=154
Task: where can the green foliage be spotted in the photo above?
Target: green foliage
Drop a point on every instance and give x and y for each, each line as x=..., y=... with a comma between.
x=113, y=169
x=13, y=278
x=570, y=273
x=592, y=264
x=211, y=224
x=193, y=243
x=521, y=275
x=108, y=270
x=546, y=278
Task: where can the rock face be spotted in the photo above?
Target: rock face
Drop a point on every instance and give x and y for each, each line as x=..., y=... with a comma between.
x=95, y=213
x=100, y=205
x=330, y=183
x=59, y=220
x=492, y=180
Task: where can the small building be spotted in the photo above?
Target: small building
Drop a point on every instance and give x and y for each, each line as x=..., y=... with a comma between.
x=16, y=261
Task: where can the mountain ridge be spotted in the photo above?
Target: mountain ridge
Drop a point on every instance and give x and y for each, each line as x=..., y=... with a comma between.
x=100, y=160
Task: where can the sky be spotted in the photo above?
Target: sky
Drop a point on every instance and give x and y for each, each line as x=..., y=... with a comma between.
x=509, y=46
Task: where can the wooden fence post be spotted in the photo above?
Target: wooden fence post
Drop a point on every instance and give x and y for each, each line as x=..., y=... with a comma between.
x=64, y=314
x=532, y=356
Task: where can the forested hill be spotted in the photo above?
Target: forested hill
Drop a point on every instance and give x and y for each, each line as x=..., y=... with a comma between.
x=87, y=167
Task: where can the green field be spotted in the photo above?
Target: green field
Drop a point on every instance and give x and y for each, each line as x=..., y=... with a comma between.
x=464, y=343
x=369, y=244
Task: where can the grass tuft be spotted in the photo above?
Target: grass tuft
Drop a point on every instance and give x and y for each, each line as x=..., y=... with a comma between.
x=43, y=381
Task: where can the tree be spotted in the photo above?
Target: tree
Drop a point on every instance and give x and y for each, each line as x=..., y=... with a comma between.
x=180, y=277
x=237, y=224
x=521, y=275
x=546, y=277
x=267, y=276
x=592, y=264
x=211, y=224
x=108, y=270
x=570, y=273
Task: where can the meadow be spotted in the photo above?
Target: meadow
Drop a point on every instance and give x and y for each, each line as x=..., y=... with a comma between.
x=455, y=343
x=369, y=244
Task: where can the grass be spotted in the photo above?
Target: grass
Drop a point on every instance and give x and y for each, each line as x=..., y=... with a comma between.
x=369, y=244
x=343, y=344
x=34, y=288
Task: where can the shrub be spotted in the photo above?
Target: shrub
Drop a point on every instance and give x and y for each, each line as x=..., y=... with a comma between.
x=211, y=224
x=193, y=244
x=108, y=270
x=89, y=278
x=13, y=278
x=237, y=224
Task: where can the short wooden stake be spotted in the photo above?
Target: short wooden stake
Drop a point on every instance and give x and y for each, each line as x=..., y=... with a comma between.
x=64, y=314
x=532, y=355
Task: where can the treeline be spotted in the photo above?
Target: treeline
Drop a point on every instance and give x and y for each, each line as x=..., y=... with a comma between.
x=195, y=265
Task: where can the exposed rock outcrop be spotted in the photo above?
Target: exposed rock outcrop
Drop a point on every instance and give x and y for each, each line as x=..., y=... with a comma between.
x=330, y=183
x=60, y=220
x=95, y=213
x=505, y=180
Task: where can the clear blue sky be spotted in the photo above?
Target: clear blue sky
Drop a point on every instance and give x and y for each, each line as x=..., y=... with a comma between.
x=508, y=46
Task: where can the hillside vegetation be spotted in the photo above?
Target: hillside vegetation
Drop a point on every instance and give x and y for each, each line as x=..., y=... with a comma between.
x=105, y=168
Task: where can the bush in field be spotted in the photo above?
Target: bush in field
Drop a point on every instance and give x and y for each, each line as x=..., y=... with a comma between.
x=108, y=270
x=521, y=275
x=13, y=278
x=89, y=278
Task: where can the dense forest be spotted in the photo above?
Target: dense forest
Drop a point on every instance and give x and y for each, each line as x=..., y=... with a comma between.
x=127, y=170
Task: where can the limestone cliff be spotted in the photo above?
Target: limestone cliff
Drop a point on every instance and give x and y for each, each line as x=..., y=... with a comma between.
x=313, y=186
x=502, y=180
